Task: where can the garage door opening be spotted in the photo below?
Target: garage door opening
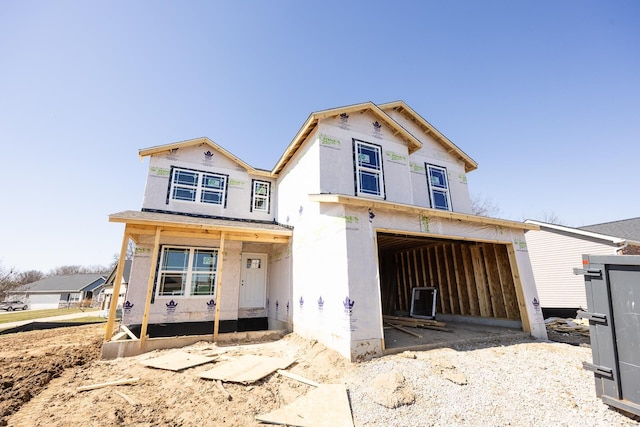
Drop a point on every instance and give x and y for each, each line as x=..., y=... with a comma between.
x=475, y=289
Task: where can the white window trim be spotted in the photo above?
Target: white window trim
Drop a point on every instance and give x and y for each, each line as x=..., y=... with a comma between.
x=257, y=196
x=446, y=190
x=359, y=168
x=189, y=272
x=199, y=187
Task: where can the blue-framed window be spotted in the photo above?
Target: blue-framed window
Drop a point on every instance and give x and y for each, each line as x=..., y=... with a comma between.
x=187, y=271
x=368, y=167
x=438, y=187
x=197, y=186
x=260, y=192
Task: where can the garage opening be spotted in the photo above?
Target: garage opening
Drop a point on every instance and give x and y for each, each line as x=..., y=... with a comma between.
x=475, y=289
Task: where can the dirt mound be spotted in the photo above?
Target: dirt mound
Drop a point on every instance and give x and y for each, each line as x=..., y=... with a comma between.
x=30, y=360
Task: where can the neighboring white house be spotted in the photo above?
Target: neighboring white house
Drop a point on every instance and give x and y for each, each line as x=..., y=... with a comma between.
x=555, y=250
x=366, y=203
x=103, y=294
x=60, y=291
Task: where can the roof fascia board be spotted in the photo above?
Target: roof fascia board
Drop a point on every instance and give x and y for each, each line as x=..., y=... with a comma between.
x=311, y=123
x=203, y=140
x=571, y=230
x=403, y=108
x=193, y=226
x=369, y=203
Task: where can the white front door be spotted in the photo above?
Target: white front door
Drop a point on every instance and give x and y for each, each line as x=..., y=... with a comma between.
x=253, y=281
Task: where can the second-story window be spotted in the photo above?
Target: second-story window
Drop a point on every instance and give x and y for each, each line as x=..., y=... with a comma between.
x=368, y=165
x=197, y=186
x=438, y=187
x=260, y=196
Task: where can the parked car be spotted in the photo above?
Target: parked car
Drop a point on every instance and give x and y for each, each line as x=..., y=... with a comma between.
x=13, y=305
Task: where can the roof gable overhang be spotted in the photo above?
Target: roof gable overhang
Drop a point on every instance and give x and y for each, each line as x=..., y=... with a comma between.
x=429, y=129
x=199, y=141
x=413, y=144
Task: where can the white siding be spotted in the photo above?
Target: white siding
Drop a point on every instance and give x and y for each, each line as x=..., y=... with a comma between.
x=554, y=255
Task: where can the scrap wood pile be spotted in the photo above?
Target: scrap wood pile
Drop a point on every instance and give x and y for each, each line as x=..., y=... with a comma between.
x=568, y=326
x=400, y=323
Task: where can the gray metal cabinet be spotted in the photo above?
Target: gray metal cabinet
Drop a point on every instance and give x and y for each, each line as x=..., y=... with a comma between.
x=613, y=299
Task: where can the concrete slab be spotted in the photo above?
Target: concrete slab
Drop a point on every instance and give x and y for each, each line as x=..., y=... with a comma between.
x=460, y=333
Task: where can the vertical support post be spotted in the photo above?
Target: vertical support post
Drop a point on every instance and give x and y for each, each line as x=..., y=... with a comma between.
x=152, y=278
x=216, y=320
x=522, y=304
x=116, y=285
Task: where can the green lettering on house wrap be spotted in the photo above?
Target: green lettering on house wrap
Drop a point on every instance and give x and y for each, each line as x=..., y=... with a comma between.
x=326, y=140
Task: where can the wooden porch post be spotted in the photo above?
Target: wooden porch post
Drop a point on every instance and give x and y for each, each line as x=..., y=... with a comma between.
x=116, y=285
x=216, y=319
x=522, y=303
x=152, y=278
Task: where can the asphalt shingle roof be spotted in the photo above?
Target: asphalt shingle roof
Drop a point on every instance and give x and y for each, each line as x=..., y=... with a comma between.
x=626, y=229
x=71, y=283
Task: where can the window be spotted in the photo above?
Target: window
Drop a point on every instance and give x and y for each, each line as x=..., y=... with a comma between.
x=187, y=271
x=195, y=186
x=260, y=196
x=368, y=161
x=438, y=187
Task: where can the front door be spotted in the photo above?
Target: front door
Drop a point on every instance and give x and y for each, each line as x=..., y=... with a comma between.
x=253, y=282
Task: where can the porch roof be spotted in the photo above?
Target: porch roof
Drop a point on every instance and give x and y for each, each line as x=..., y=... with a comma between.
x=145, y=223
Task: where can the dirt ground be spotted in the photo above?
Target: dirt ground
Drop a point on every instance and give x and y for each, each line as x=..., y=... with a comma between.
x=41, y=371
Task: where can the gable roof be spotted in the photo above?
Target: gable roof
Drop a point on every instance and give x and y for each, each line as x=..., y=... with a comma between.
x=311, y=123
x=126, y=272
x=429, y=129
x=618, y=240
x=627, y=228
x=199, y=141
x=63, y=284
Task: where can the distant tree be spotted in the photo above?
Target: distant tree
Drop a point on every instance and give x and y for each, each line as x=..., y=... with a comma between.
x=131, y=250
x=67, y=270
x=551, y=218
x=483, y=206
x=29, y=276
x=7, y=281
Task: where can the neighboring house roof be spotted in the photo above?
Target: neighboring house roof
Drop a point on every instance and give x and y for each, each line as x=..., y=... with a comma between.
x=583, y=231
x=199, y=141
x=63, y=284
x=125, y=273
x=628, y=229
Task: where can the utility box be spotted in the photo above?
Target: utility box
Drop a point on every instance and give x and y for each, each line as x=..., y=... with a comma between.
x=612, y=284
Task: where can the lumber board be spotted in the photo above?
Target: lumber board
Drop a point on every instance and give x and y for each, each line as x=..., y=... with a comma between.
x=327, y=405
x=406, y=331
x=177, y=361
x=127, y=398
x=224, y=391
x=413, y=321
x=128, y=332
x=107, y=384
x=296, y=377
x=493, y=278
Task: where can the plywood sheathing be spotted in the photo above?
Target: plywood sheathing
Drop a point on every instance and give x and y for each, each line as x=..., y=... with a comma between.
x=177, y=361
x=327, y=405
x=473, y=279
x=247, y=369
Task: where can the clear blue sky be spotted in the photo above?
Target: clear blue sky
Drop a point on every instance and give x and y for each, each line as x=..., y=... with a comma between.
x=544, y=95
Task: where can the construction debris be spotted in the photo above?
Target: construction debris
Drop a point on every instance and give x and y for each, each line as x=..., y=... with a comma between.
x=107, y=384
x=568, y=326
x=177, y=361
x=415, y=323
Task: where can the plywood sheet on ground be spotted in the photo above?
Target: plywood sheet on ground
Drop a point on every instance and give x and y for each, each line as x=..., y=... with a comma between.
x=177, y=361
x=327, y=405
x=246, y=369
